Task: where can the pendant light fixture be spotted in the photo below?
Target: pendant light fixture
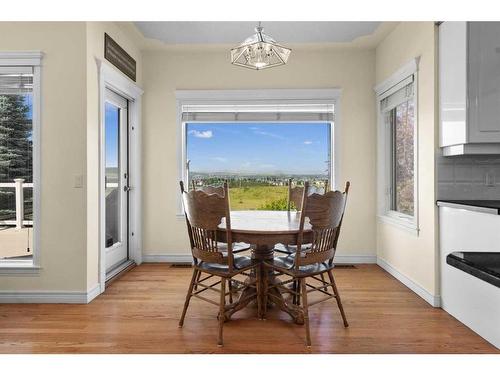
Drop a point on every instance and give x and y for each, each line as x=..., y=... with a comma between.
x=259, y=52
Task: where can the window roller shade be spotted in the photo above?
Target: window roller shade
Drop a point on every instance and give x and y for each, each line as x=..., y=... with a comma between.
x=249, y=113
x=398, y=94
x=16, y=81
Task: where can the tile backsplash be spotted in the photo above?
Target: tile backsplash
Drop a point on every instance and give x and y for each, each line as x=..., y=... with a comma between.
x=468, y=177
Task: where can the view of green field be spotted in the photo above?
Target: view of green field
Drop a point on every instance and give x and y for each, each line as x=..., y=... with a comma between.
x=258, y=192
x=259, y=197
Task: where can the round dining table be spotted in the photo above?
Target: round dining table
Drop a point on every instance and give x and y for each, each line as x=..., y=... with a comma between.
x=263, y=230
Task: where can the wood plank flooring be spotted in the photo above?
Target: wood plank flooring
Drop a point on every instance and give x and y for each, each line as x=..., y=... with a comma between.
x=139, y=314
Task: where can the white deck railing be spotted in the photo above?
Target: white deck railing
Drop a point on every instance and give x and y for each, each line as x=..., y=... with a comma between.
x=19, y=186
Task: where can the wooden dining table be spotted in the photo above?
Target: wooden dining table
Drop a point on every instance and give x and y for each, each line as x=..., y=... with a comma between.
x=263, y=230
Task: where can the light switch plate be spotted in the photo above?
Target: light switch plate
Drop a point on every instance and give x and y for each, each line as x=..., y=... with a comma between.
x=489, y=179
x=78, y=181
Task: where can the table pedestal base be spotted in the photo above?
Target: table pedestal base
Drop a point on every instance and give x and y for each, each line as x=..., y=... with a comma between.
x=260, y=254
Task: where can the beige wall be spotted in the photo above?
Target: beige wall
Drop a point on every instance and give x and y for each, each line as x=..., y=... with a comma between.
x=166, y=71
x=95, y=49
x=69, y=243
x=70, y=141
x=63, y=219
x=414, y=257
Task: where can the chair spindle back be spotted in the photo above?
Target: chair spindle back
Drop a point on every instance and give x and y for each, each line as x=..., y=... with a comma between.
x=294, y=196
x=209, y=189
x=295, y=193
x=204, y=213
x=324, y=213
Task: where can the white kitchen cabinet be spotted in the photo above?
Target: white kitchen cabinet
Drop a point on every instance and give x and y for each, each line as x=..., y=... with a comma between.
x=469, y=87
x=484, y=81
x=472, y=301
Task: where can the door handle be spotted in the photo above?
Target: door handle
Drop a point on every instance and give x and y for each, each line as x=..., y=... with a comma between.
x=127, y=188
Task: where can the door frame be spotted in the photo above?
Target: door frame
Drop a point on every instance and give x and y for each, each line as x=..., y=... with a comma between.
x=110, y=78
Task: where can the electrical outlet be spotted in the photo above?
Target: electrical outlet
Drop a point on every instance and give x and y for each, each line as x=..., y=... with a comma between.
x=489, y=179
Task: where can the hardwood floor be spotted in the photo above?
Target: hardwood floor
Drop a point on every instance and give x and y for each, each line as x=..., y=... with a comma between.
x=139, y=314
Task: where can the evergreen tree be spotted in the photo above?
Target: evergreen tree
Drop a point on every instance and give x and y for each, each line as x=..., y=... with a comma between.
x=15, y=139
x=16, y=157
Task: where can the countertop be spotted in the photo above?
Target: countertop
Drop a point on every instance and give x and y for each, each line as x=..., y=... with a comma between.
x=485, y=266
x=487, y=206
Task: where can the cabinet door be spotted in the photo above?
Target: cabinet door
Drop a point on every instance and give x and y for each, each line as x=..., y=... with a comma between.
x=484, y=82
x=452, y=83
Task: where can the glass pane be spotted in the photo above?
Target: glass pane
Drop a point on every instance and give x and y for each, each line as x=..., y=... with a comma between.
x=8, y=203
x=403, y=158
x=257, y=159
x=28, y=203
x=16, y=169
x=112, y=175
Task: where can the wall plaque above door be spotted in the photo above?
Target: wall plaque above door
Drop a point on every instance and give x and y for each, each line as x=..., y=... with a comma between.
x=117, y=56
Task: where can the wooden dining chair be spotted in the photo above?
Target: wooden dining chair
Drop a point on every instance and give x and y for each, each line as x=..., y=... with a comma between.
x=295, y=194
x=324, y=213
x=213, y=256
x=239, y=247
x=209, y=189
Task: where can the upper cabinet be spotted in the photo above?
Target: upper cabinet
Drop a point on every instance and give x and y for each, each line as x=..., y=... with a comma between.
x=469, y=87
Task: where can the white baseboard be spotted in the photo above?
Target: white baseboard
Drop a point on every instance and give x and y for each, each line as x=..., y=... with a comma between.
x=187, y=258
x=431, y=299
x=49, y=296
x=355, y=259
x=93, y=292
x=167, y=258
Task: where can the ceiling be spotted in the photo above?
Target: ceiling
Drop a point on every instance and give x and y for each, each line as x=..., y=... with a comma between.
x=176, y=32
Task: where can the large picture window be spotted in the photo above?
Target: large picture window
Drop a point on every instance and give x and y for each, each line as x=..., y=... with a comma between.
x=17, y=164
x=258, y=158
x=258, y=140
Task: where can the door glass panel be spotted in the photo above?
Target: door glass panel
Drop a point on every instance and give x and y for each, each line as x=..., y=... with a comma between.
x=112, y=174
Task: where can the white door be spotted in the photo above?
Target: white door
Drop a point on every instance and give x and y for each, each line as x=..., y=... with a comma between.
x=116, y=180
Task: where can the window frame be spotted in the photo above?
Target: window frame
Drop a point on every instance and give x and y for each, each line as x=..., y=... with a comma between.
x=385, y=165
x=29, y=59
x=228, y=97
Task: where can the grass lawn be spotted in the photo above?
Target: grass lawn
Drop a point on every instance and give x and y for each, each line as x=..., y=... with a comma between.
x=251, y=198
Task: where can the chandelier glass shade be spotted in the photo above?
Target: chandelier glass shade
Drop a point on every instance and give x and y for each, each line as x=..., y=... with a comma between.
x=259, y=52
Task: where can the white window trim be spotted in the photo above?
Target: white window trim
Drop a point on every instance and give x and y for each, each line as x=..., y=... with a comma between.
x=200, y=97
x=110, y=78
x=385, y=214
x=32, y=59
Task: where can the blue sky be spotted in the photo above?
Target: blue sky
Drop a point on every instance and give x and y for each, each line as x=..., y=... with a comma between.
x=28, y=100
x=111, y=124
x=267, y=148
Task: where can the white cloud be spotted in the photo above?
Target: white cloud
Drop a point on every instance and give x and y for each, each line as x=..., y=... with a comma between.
x=267, y=134
x=308, y=142
x=267, y=166
x=219, y=158
x=203, y=134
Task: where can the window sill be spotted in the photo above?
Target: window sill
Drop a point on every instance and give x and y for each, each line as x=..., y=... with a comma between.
x=400, y=223
x=18, y=267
